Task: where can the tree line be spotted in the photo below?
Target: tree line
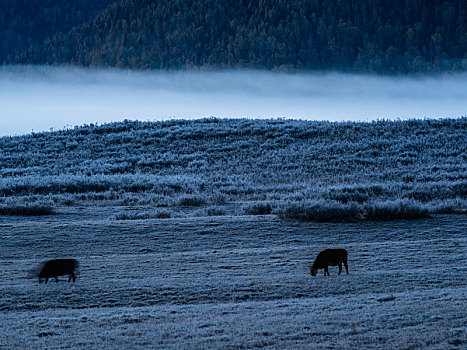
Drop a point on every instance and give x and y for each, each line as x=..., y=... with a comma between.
x=387, y=36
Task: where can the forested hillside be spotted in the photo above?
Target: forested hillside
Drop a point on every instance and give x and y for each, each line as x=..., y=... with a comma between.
x=388, y=36
x=27, y=23
x=218, y=167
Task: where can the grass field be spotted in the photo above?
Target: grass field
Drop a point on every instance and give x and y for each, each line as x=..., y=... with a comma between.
x=379, y=170
x=232, y=282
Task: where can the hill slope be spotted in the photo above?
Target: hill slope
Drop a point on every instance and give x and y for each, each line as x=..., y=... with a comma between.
x=403, y=36
x=293, y=168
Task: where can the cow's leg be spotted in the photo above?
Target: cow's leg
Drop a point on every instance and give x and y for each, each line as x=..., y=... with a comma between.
x=340, y=268
x=326, y=271
x=346, y=267
x=73, y=276
x=46, y=280
x=56, y=279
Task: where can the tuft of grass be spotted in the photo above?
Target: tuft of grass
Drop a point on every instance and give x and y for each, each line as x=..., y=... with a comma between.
x=260, y=208
x=26, y=210
x=131, y=216
x=393, y=210
x=215, y=211
x=191, y=201
x=160, y=214
x=163, y=214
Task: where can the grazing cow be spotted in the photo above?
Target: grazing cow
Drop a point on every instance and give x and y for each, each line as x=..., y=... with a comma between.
x=331, y=257
x=59, y=267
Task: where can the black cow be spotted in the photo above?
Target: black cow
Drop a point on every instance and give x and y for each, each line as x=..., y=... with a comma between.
x=331, y=257
x=59, y=267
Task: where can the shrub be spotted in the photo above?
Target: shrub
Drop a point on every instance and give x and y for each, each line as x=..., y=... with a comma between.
x=347, y=197
x=219, y=198
x=191, y=201
x=320, y=211
x=459, y=189
x=163, y=214
x=28, y=210
x=68, y=202
x=261, y=208
x=392, y=210
x=215, y=211
x=347, y=194
x=452, y=206
x=131, y=216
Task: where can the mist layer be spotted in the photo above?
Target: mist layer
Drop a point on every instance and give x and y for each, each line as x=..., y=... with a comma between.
x=43, y=98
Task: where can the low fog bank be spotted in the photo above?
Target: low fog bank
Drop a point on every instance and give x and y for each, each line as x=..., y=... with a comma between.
x=41, y=98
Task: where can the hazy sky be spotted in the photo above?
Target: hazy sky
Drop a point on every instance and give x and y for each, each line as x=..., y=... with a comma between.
x=41, y=98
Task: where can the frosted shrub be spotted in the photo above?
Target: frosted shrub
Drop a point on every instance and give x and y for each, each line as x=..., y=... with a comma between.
x=459, y=189
x=219, y=198
x=160, y=214
x=260, y=208
x=215, y=211
x=320, y=211
x=391, y=210
x=450, y=206
x=191, y=201
x=346, y=196
x=131, y=216
x=163, y=214
x=27, y=210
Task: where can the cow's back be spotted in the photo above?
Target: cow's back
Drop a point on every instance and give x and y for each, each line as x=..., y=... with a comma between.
x=58, y=267
x=331, y=257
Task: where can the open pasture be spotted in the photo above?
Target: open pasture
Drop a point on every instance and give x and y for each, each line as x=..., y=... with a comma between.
x=232, y=283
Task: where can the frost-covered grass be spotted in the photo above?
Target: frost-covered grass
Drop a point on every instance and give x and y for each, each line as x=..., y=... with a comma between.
x=325, y=211
x=221, y=270
x=260, y=208
x=402, y=322
x=215, y=163
x=142, y=215
x=321, y=211
x=229, y=283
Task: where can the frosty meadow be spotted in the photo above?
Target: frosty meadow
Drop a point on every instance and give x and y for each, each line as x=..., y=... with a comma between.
x=179, y=172
x=233, y=282
x=306, y=170
x=201, y=234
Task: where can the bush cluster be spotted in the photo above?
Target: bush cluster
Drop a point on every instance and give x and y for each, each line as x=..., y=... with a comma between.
x=27, y=210
x=321, y=211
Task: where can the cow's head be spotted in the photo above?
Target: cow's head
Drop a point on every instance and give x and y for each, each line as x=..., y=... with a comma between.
x=313, y=271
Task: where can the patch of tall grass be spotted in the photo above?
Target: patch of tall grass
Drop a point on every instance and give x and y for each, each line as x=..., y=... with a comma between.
x=326, y=211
